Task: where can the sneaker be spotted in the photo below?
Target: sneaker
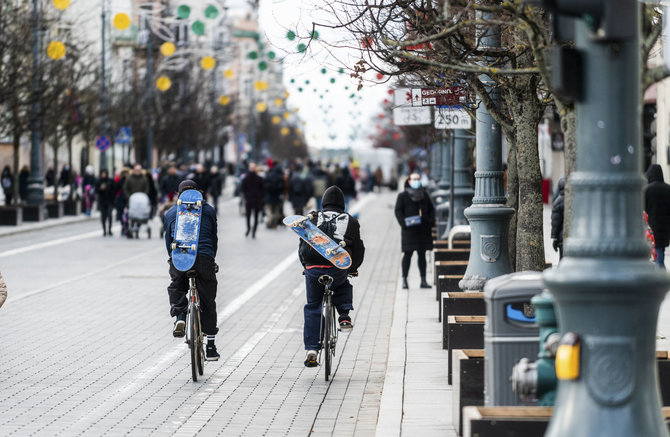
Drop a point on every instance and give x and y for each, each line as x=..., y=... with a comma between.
x=345, y=322
x=179, y=329
x=210, y=352
x=310, y=359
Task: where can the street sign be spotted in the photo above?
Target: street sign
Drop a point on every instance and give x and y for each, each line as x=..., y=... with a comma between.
x=123, y=135
x=103, y=142
x=450, y=96
x=411, y=116
x=452, y=118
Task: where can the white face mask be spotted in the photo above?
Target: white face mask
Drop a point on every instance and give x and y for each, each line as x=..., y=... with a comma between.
x=415, y=184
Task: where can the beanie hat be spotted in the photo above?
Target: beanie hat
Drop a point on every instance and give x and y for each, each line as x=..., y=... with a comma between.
x=333, y=197
x=187, y=185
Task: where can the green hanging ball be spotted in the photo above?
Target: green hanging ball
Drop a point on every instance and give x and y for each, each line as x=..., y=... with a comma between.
x=341, y=70
x=307, y=82
x=314, y=90
x=324, y=71
x=290, y=35
x=332, y=80
x=292, y=80
x=327, y=90
x=302, y=48
x=211, y=12
x=321, y=96
x=315, y=35
x=300, y=89
x=262, y=65
x=346, y=87
x=253, y=55
x=352, y=96
x=271, y=55
x=183, y=11
x=198, y=27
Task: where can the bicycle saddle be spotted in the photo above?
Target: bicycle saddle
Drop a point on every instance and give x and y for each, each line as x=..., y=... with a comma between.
x=325, y=280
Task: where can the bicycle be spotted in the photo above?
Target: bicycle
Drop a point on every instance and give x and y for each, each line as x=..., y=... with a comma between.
x=329, y=327
x=194, y=335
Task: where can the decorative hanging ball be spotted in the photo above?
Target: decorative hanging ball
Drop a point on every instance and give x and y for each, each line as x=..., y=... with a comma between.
x=341, y=71
x=307, y=82
x=286, y=115
x=390, y=92
x=290, y=35
x=366, y=42
x=297, y=131
x=211, y=12
x=380, y=76
x=314, y=90
x=276, y=119
x=279, y=102
x=286, y=94
x=168, y=48
x=351, y=96
x=121, y=21
x=271, y=55
x=61, y=5
x=163, y=83
x=300, y=89
x=261, y=85
x=261, y=107
x=346, y=87
x=198, y=27
x=56, y=50
x=284, y=131
x=207, y=63
x=262, y=65
x=224, y=100
x=229, y=74
x=324, y=71
x=332, y=80
x=296, y=143
x=252, y=55
x=183, y=11
x=314, y=35
x=302, y=48
x=396, y=136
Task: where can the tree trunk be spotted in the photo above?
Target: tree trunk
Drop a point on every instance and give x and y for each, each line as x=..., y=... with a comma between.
x=17, y=146
x=527, y=111
x=56, y=146
x=512, y=190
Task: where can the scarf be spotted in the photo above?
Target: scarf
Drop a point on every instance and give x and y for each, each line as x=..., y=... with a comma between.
x=415, y=195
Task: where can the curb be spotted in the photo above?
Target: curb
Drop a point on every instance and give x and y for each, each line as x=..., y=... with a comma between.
x=6, y=231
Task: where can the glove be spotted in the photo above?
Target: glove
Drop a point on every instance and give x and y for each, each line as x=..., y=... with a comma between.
x=555, y=244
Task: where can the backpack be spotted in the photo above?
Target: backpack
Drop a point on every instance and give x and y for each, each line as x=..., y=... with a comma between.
x=328, y=227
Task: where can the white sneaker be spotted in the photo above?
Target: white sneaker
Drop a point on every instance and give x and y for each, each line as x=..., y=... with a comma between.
x=310, y=359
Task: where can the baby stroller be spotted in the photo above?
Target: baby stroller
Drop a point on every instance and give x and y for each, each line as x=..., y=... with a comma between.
x=139, y=213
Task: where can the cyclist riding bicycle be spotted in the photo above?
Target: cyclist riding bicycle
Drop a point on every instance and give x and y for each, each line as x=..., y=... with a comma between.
x=340, y=226
x=205, y=269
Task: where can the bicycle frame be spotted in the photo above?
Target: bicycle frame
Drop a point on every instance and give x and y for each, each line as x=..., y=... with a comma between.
x=328, y=327
x=197, y=355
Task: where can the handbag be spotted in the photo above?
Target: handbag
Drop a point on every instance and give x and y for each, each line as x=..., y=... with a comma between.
x=414, y=220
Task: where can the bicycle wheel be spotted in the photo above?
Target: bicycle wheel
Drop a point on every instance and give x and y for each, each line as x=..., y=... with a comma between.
x=200, y=342
x=193, y=339
x=327, y=329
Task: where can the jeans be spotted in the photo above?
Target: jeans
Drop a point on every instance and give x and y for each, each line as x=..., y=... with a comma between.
x=343, y=297
x=660, y=256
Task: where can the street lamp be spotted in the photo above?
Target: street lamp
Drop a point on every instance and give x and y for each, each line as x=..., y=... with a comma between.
x=35, y=181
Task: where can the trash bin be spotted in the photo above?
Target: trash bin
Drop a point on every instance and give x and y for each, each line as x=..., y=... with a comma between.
x=510, y=332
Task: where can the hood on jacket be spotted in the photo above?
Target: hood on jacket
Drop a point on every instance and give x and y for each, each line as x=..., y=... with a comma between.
x=333, y=199
x=655, y=173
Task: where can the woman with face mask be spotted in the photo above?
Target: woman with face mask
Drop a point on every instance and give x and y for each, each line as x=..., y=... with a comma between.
x=416, y=216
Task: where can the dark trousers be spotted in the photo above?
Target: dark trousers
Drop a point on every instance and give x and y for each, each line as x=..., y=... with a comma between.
x=206, y=282
x=343, y=297
x=249, y=212
x=106, y=217
x=407, y=258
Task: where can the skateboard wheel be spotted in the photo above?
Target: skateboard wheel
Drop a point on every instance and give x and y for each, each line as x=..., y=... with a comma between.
x=198, y=203
x=193, y=247
x=178, y=202
x=174, y=246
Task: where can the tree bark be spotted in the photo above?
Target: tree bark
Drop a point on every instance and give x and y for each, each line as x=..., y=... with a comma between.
x=512, y=191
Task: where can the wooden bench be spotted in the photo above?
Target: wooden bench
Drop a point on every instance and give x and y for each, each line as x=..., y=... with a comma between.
x=449, y=268
x=451, y=254
x=460, y=303
x=463, y=332
x=457, y=244
x=468, y=387
x=447, y=284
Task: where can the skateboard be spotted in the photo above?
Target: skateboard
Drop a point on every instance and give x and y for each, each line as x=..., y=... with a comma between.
x=319, y=241
x=187, y=230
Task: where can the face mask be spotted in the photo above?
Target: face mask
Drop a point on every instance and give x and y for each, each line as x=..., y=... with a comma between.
x=415, y=184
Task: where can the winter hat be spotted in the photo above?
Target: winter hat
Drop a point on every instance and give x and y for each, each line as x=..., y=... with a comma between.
x=187, y=185
x=333, y=197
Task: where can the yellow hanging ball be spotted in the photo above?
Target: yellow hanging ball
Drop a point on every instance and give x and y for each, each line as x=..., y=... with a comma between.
x=56, y=50
x=229, y=74
x=121, y=21
x=284, y=131
x=261, y=85
x=163, y=83
x=278, y=102
x=224, y=100
x=261, y=107
x=297, y=131
x=61, y=4
x=287, y=115
x=276, y=119
x=296, y=143
x=286, y=94
x=168, y=48
x=207, y=63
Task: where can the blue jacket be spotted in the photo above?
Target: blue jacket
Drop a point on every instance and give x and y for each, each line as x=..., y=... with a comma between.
x=207, y=240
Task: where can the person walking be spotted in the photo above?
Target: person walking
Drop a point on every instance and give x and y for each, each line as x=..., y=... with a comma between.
x=657, y=206
x=347, y=184
x=319, y=183
x=416, y=215
x=299, y=190
x=252, y=188
x=105, y=192
x=135, y=182
x=88, y=189
x=169, y=183
x=24, y=174
x=274, y=194
x=7, y=180
x=557, y=219
x=216, y=181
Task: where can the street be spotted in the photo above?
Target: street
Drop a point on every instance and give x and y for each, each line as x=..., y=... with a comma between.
x=87, y=345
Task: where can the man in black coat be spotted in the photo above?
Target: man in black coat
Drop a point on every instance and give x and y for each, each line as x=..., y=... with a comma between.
x=657, y=205
x=416, y=216
x=557, y=218
x=253, y=192
x=343, y=227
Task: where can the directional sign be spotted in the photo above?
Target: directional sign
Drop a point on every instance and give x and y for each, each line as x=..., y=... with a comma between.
x=103, y=142
x=123, y=135
x=454, y=95
x=452, y=118
x=411, y=116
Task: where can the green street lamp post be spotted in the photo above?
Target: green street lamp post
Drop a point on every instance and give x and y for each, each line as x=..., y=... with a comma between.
x=35, y=181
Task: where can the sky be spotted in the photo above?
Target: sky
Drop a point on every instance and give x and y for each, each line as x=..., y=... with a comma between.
x=331, y=114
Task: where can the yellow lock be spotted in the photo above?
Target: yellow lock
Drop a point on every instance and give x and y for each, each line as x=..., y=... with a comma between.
x=567, y=357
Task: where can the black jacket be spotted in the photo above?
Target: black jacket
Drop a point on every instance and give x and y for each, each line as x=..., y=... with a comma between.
x=105, y=190
x=253, y=191
x=348, y=230
x=419, y=237
x=657, y=205
x=557, y=213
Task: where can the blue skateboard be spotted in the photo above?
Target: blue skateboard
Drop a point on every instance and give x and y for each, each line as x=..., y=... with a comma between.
x=187, y=230
x=319, y=241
